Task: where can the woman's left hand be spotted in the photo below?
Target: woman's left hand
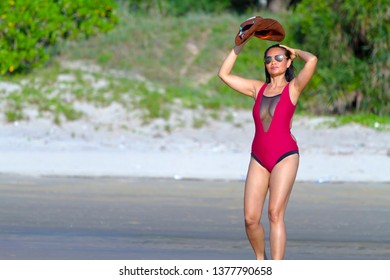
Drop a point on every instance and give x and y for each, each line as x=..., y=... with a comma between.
x=292, y=51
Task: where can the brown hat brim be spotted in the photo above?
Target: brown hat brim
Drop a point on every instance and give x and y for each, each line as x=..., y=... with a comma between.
x=262, y=28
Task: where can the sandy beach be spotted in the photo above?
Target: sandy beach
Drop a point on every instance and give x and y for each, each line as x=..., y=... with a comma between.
x=99, y=146
x=91, y=189
x=166, y=219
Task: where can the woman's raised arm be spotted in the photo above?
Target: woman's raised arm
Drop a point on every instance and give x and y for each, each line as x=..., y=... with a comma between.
x=245, y=86
x=304, y=76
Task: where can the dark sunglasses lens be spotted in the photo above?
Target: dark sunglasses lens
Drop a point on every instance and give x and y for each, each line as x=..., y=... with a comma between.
x=268, y=59
x=279, y=58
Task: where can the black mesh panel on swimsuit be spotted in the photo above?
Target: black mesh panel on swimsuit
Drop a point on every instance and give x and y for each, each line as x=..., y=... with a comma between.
x=267, y=110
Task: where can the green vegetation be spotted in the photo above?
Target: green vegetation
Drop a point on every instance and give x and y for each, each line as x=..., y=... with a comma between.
x=160, y=57
x=373, y=121
x=351, y=39
x=28, y=28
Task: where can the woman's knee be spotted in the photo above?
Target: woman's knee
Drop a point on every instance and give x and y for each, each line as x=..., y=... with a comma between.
x=275, y=215
x=252, y=220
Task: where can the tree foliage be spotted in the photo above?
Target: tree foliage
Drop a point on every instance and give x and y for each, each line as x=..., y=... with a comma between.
x=351, y=39
x=28, y=28
x=183, y=7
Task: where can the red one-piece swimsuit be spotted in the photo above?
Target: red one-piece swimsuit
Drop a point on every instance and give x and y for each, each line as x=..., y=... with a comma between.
x=273, y=140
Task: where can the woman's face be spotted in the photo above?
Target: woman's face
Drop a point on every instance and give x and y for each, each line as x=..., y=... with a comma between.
x=276, y=61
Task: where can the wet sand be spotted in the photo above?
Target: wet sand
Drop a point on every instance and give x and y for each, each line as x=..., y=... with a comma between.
x=139, y=219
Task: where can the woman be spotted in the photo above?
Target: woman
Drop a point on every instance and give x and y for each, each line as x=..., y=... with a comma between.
x=274, y=160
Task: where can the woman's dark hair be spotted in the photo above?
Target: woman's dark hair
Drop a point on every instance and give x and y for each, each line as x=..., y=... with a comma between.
x=289, y=75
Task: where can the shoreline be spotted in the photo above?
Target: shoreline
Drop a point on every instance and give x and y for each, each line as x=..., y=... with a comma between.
x=94, y=165
x=18, y=176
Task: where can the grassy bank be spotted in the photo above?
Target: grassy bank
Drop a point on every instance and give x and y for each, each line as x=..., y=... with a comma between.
x=151, y=65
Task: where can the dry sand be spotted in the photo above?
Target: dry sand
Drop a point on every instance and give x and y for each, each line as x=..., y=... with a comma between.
x=109, y=143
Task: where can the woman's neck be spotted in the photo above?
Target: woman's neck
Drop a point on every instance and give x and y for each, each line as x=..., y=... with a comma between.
x=278, y=81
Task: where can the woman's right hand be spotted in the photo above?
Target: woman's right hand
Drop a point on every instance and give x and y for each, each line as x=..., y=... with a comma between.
x=247, y=87
x=237, y=49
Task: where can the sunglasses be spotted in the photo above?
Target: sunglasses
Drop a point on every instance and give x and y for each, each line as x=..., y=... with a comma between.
x=278, y=58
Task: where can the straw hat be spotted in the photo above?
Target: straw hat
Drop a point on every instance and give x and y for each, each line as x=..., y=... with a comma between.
x=263, y=28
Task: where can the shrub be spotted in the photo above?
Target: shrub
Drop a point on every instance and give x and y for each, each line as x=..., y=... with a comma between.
x=28, y=28
x=351, y=39
x=178, y=8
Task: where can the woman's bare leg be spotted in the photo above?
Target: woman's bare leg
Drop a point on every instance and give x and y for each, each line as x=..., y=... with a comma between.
x=281, y=182
x=256, y=188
